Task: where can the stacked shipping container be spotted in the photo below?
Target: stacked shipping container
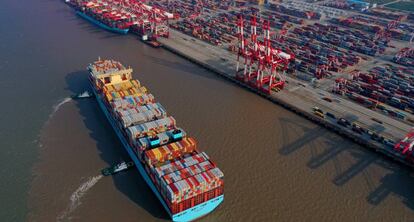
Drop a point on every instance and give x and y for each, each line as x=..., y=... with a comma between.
x=389, y=85
x=369, y=24
x=295, y=12
x=104, y=12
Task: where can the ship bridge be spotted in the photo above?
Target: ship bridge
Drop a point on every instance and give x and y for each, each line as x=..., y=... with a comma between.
x=109, y=72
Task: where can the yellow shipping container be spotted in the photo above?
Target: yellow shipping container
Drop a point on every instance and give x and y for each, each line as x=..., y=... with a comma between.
x=143, y=89
x=108, y=97
x=132, y=91
x=125, y=86
x=121, y=86
x=152, y=133
x=157, y=154
x=174, y=146
x=108, y=88
x=135, y=83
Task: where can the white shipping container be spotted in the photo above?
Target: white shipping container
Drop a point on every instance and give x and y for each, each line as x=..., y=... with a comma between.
x=143, y=129
x=180, y=164
x=138, y=109
x=187, y=172
x=188, y=189
x=132, y=101
x=142, y=117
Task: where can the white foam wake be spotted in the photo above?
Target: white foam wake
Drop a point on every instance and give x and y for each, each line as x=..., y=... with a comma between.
x=75, y=198
x=61, y=103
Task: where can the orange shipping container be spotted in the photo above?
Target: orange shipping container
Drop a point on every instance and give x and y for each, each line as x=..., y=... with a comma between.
x=170, y=151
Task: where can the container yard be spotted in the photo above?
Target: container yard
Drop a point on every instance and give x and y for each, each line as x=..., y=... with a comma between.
x=186, y=181
x=338, y=56
x=405, y=57
x=381, y=86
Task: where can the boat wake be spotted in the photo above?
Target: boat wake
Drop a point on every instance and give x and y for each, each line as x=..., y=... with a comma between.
x=75, y=198
x=61, y=103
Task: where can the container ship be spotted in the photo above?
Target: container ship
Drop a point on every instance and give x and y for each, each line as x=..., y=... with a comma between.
x=125, y=16
x=186, y=181
x=104, y=15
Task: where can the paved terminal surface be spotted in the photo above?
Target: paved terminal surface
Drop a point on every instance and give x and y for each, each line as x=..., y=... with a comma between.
x=297, y=94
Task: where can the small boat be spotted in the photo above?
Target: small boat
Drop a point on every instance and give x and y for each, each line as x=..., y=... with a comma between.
x=117, y=168
x=83, y=95
x=153, y=43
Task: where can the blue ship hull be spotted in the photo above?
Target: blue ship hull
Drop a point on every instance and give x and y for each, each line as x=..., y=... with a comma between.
x=100, y=24
x=184, y=216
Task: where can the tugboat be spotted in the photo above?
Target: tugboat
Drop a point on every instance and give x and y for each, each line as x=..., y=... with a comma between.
x=84, y=95
x=117, y=168
x=153, y=43
x=149, y=40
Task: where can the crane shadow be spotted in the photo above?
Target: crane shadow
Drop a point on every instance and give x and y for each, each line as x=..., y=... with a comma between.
x=130, y=183
x=350, y=117
x=378, y=128
x=398, y=182
x=365, y=159
x=310, y=135
x=335, y=148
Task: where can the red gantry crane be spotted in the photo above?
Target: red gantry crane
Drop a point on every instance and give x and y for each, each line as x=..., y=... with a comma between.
x=264, y=66
x=151, y=22
x=405, y=146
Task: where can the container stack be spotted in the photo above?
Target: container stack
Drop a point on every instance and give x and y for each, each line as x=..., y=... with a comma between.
x=132, y=91
x=295, y=12
x=174, y=166
x=183, y=176
x=106, y=12
x=132, y=101
x=372, y=25
x=132, y=118
x=386, y=13
x=140, y=114
x=122, y=86
x=405, y=57
x=151, y=128
x=159, y=139
x=184, y=182
x=344, y=38
x=170, y=151
x=390, y=85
